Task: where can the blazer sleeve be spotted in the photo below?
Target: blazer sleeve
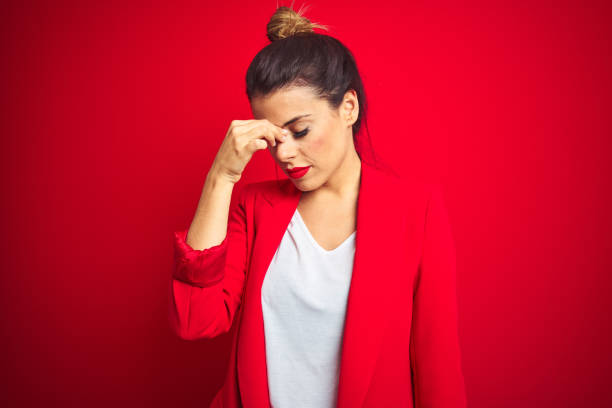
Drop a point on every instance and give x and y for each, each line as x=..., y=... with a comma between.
x=206, y=286
x=434, y=340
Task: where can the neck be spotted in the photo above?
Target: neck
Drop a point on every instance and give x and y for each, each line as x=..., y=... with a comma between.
x=344, y=182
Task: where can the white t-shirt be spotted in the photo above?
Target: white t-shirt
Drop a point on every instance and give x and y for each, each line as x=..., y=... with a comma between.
x=303, y=297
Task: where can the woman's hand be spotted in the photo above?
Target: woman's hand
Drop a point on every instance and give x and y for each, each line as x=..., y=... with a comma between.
x=243, y=139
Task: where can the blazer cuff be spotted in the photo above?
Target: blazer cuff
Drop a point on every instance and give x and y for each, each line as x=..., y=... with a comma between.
x=197, y=267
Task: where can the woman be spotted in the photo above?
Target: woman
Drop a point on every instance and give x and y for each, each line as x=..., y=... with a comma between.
x=341, y=279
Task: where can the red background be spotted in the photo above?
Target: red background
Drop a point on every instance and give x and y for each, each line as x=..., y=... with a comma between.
x=112, y=114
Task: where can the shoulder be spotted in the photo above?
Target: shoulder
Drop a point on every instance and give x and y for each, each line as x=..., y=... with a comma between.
x=406, y=187
x=265, y=186
x=266, y=189
x=414, y=194
x=403, y=180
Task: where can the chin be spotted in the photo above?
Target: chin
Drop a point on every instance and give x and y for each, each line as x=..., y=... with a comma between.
x=303, y=186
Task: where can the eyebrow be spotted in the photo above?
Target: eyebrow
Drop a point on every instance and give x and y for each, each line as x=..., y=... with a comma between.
x=294, y=119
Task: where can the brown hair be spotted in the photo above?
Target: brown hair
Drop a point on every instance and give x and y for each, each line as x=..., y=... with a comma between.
x=286, y=22
x=298, y=56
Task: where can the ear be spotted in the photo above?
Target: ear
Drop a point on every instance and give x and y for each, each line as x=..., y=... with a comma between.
x=349, y=109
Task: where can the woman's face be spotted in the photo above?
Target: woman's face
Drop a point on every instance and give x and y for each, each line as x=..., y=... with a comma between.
x=320, y=138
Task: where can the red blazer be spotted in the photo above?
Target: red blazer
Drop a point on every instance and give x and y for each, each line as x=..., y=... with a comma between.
x=400, y=343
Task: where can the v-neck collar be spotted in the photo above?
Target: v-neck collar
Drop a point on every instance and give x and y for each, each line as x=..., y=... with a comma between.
x=298, y=217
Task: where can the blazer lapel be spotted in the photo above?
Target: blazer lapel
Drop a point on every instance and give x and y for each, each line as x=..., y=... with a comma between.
x=278, y=208
x=371, y=285
x=368, y=297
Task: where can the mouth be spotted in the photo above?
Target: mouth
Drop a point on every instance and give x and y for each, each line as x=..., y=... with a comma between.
x=298, y=172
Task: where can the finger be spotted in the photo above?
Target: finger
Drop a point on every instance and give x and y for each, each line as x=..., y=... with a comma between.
x=271, y=135
x=276, y=133
x=238, y=122
x=250, y=130
x=267, y=131
x=258, y=144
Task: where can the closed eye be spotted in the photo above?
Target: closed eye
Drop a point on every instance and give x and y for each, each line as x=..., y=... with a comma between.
x=301, y=134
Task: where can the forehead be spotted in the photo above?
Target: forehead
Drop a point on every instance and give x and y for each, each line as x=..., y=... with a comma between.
x=284, y=104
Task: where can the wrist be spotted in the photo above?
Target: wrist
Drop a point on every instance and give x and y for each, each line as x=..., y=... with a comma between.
x=218, y=177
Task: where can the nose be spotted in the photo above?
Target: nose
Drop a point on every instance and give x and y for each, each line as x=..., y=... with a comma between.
x=285, y=151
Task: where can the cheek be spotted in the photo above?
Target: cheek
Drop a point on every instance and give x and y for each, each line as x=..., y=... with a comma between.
x=324, y=142
x=318, y=144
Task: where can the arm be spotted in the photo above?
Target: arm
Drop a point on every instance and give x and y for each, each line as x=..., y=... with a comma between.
x=206, y=285
x=434, y=343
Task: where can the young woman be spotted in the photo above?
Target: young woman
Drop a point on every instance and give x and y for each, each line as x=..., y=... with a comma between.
x=341, y=278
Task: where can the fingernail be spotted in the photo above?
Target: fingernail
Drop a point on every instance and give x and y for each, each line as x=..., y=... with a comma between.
x=285, y=131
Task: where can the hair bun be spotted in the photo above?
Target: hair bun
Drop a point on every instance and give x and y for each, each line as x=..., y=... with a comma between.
x=285, y=22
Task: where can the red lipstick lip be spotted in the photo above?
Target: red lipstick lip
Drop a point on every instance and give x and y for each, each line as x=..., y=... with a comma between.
x=298, y=172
